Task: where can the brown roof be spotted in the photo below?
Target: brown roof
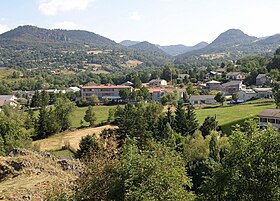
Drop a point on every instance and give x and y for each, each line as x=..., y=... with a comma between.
x=270, y=113
x=107, y=87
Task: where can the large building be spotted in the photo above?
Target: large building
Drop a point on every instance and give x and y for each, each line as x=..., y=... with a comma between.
x=103, y=91
x=271, y=116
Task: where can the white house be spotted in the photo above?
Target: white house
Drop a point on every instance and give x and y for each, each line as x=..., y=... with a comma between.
x=264, y=92
x=182, y=76
x=234, y=76
x=271, y=116
x=202, y=99
x=157, y=83
x=72, y=89
x=246, y=94
x=127, y=83
x=8, y=100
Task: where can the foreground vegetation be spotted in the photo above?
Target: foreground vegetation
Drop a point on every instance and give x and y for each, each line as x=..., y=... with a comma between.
x=150, y=156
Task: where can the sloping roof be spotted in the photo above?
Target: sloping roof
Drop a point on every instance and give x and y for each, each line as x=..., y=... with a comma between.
x=213, y=82
x=263, y=89
x=260, y=76
x=202, y=97
x=107, y=87
x=154, y=80
x=232, y=83
x=233, y=73
x=248, y=91
x=270, y=113
x=127, y=83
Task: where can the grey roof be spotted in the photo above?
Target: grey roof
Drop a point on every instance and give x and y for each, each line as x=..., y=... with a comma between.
x=260, y=76
x=232, y=83
x=248, y=91
x=270, y=113
x=202, y=97
x=154, y=80
x=233, y=73
x=263, y=89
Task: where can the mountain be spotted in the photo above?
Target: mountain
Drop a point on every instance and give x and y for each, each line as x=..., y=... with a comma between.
x=231, y=45
x=175, y=50
x=270, y=40
x=27, y=46
x=128, y=43
x=148, y=48
x=29, y=35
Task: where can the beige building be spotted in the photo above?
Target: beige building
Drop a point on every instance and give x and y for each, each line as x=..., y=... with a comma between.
x=271, y=116
x=103, y=91
x=202, y=99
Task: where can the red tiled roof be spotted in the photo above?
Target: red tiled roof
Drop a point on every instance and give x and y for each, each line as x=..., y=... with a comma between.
x=107, y=87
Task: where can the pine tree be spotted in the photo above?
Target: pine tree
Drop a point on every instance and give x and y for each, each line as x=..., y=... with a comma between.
x=214, y=149
x=192, y=123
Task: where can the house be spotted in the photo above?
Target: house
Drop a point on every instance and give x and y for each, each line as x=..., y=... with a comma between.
x=232, y=87
x=156, y=93
x=264, y=92
x=8, y=100
x=271, y=116
x=234, y=76
x=213, y=85
x=263, y=79
x=202, y=99
x=72, y=89
x=157, y=83
x=247, y=94
x=183, y=76
x=127, y=83
x=213, y=74
x=103, y=91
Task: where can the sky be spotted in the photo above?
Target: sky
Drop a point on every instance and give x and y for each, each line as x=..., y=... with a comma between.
x=163, y=22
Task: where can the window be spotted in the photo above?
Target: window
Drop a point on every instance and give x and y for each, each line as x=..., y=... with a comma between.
x=271, y=121
x=278, y=121
x=263, y=120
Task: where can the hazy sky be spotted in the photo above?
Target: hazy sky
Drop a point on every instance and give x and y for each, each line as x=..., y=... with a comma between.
x=163, y=22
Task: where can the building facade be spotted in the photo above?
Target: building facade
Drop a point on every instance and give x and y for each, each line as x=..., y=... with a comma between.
x=271, y=116
x=103, y=91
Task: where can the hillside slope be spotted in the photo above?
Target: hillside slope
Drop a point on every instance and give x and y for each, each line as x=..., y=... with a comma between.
x=27, y=175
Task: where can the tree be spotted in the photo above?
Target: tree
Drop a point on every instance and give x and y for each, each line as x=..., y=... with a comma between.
x=208, y=125
x=214, y=148
x=90, y=116
x=192, y=123
x=63, y=110
x=124, y=94
x=86, y=145
x=13, y=133
x=250, y=168
x=137, y=82
x=235, y=96
x=220, y=98
x=276, y=93
x=47, y=123
x=93, y=100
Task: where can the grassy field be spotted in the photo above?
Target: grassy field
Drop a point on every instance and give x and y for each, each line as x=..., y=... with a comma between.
x=67, y=138
x=229, y=115
x=100, y=111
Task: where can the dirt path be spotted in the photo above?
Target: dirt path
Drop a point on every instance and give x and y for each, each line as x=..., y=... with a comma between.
x=69, y=137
